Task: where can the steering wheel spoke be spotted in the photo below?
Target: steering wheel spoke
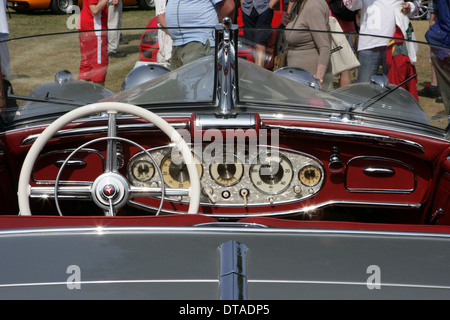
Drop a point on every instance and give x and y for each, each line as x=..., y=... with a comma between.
x=111, y=150
x=136, y=192
x=64, y=192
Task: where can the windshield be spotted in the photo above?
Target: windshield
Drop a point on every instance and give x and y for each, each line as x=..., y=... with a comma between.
x=46, y=80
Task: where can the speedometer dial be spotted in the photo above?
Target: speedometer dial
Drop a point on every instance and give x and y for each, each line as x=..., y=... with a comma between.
x=175, y=172
x=272, y=173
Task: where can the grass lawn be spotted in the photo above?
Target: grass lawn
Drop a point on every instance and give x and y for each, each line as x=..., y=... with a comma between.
x=43, y=21
x=57, y=52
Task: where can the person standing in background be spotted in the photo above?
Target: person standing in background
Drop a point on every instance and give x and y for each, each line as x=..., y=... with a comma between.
x=431, y=88
x=190, y=44
x=4, y=33
x=258, y=14
x=310, y=50
x=349, y=25
x=439, y=34
x=164, y=40
x=377, y=19
x=115, y=23
x=94, y=44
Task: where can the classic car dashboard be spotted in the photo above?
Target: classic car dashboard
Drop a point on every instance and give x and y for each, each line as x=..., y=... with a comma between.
x=270, y=177
x=310, y=170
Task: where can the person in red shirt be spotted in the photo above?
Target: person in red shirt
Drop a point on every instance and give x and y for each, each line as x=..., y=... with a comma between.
x=94, y=40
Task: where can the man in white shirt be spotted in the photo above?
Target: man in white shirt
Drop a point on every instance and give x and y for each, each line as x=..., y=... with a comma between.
x=4, y=32
x=377, y=19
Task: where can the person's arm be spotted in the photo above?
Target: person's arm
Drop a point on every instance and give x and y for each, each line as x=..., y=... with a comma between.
x=273, y=3
x=353, y=5
x=99, y=6
x=287, y=16
x=160, y=12
x=226, y=9
x=290, y=5
x=410, y=8
x=316, y=19
x=161, y=18
x=432, y=19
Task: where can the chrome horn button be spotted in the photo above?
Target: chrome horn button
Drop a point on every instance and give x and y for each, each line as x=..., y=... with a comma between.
x=110, y=188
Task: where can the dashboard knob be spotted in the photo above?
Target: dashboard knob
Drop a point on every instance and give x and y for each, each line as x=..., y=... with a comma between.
x=336, y=165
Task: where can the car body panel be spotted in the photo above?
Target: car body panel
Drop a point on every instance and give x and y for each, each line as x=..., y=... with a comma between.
x=162, y=262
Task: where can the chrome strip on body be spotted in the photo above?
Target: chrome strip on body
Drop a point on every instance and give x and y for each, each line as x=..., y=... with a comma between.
x=199, y=229
x=233, y=271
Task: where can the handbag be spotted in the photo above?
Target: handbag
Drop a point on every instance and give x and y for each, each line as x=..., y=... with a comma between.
x=342, y=56
x=279, y=61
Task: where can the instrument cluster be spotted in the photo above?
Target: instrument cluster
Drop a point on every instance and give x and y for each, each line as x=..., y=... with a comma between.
x=269, y=177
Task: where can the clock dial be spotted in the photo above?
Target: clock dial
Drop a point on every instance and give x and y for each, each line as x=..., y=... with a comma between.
x=310, y=175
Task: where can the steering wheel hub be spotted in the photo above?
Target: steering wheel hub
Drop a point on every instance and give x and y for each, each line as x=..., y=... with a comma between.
x=110, y=189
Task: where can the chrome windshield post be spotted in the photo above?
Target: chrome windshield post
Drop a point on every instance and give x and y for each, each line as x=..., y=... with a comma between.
x=226, y=66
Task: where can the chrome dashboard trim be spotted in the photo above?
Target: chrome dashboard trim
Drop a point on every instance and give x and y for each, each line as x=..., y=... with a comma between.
x=380, y=139
x=209, y=121
x=307, y=210
x=379, y=171
x=245, y=121
x=102, y=130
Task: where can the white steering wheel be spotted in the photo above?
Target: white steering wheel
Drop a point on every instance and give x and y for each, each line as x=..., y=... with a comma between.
x=110, y=190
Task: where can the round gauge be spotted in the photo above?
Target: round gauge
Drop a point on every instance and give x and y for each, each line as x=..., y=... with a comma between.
x=142, y=170
x=310, y=175
x=226, y=170
x=175, y=172
x=272, y=173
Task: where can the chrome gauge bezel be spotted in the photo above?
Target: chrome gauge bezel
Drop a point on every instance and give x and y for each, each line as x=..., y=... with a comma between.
x=150, y=167
x=316, y=170
x=167, y=164
x=282, y=178
x=224, y=160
